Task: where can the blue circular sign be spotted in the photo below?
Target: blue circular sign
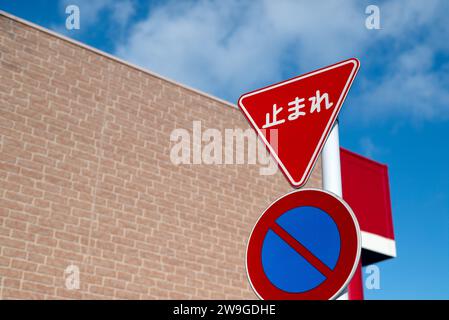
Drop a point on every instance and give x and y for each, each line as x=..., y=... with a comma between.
x=317, y=232
x=306, y=245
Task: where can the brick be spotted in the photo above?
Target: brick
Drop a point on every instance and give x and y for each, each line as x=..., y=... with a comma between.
x=86, y=179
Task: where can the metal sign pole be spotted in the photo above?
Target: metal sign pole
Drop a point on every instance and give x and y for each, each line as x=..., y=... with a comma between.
x=331, y=171
x=331, y=163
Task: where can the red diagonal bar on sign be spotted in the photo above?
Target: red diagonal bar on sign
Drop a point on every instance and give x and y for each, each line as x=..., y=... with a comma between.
x=298, y=247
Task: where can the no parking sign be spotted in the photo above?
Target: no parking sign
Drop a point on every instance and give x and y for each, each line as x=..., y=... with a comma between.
x=305, y=246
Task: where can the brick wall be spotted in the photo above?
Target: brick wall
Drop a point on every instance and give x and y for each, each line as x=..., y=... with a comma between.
x=86, y=180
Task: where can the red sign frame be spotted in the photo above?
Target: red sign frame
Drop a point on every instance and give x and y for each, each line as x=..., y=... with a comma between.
x=350, y=243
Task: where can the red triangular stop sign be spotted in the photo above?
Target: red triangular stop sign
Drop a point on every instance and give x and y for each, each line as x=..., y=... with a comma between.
x=295, y=117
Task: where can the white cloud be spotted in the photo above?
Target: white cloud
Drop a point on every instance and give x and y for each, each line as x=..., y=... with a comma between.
x=410, y=88
x=118, y=12
x=369, y=148
x=414, y=82
x=122, y=11
x=229, y=47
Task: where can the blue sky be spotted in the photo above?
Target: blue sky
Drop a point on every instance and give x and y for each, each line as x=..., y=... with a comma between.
x=397, y=111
